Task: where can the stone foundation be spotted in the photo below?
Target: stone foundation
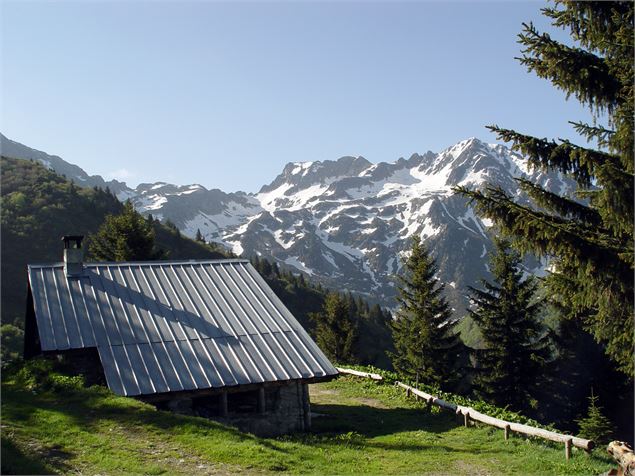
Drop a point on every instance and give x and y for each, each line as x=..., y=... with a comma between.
x=268, y=410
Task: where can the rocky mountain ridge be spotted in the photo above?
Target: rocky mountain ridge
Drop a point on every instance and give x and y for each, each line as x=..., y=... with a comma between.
x=347, y=222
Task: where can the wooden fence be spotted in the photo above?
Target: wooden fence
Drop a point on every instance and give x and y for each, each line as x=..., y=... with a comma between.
x=359, y=374
x=469, y=414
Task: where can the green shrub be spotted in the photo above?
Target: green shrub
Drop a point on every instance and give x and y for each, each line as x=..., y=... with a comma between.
x=40, y=375
x=351, y=439
x=12, y=343
x=595, y=426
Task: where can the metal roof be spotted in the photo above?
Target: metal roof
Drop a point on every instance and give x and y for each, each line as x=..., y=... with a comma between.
x=173, y=326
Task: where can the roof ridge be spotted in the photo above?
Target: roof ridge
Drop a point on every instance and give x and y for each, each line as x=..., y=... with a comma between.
x=142, y=263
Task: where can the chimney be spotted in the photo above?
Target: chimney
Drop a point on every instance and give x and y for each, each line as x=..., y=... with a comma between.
x=73, y=255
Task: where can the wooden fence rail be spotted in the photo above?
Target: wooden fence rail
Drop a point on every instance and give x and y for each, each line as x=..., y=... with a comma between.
x=469, y=413
x=358, y=373
x=431, y=399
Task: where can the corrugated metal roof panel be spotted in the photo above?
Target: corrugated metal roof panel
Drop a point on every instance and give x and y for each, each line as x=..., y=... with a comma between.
x=171, y=326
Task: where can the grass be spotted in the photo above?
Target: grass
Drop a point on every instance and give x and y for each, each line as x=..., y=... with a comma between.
x=364, y=427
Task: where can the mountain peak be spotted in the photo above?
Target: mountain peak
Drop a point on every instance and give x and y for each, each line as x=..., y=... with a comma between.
x=347, y=222
x=305, y=174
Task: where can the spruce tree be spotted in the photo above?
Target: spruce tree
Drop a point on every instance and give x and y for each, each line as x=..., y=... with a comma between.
x=353, y=309
x=199, y=236
x=426, y=343
x=265, y=268
x=515, y=344
x=590, y=236
x=124, y=237
x=335, y=331
x=595, y=426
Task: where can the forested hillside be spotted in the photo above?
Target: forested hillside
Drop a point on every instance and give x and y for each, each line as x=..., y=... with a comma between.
x=39, y=207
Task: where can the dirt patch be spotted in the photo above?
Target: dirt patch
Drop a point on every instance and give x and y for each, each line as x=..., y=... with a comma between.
x=174, y=458
x=313, y=390
x=190, y=464
x=463, y=467
x=52, y=456
x=371, y=402
x=317, y=391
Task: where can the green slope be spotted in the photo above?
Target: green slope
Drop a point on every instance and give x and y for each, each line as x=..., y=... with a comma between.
x=39, y=207
x=59, y=426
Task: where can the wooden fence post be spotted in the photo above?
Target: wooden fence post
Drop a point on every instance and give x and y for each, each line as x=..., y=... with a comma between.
x=470, y=414
x=567, y=449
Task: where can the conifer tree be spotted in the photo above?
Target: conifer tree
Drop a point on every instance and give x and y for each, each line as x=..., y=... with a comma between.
x=426, y=343
x=516, y=347
x=375, y=314
x=589, y=236
x=124, y=237
x=265, y=267
x=336, y=332
x=595, y=426
x=199, y=236
x=353, y=309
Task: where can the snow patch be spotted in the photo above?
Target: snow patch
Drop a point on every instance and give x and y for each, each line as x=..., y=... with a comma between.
x=296, y=263
x=124, y=195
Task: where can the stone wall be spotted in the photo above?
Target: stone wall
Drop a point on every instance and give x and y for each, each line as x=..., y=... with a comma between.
x=286, y=408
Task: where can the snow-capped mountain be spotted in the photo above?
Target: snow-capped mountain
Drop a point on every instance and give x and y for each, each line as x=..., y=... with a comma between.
x=347, y=222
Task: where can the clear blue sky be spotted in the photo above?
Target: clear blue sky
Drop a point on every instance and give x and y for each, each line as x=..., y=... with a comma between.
x=224, y=94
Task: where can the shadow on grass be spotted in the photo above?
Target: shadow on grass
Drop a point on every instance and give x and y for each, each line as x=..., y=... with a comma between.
x=15, y=461
x=91, y=408
x=371, y=421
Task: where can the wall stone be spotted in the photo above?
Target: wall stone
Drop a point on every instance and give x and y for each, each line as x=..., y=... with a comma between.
x=285, y=412
x=287, y=409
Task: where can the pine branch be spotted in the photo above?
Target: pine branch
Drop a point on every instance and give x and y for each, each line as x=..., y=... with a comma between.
x=593, y=23
x=600, y=133
x=546, y=234
x=573, y=70
x=579, y=162
x=564, y=207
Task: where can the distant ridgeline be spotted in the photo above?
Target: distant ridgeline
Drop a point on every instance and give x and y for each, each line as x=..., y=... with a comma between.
x=39, y=206
x=345, y=222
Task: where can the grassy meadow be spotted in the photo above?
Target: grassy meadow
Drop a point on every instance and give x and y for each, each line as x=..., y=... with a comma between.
x=360, y=426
